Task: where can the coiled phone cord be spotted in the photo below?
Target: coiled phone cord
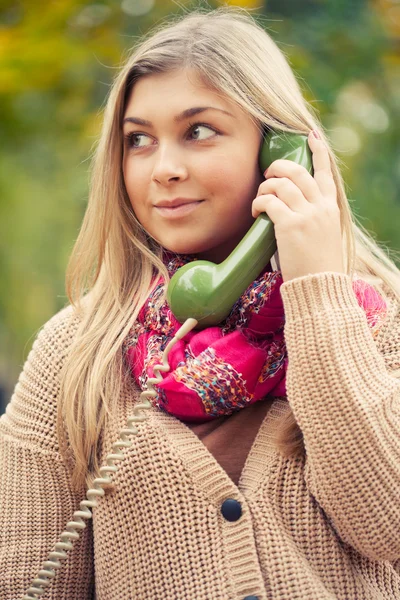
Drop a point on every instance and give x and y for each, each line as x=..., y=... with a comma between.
x=70, y=535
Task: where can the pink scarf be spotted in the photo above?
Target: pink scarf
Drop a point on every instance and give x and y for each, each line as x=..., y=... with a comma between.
x=222, y=369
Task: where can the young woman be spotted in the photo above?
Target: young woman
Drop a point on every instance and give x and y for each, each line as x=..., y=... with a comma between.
x=268, y=466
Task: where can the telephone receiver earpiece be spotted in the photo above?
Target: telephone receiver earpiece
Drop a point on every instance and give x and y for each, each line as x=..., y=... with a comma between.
x=206, y=291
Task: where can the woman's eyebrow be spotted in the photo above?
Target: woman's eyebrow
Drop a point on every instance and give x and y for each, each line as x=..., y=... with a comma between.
x=189, y=112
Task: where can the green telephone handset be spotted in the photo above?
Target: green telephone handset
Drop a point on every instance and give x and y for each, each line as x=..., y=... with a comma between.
x=206, y=291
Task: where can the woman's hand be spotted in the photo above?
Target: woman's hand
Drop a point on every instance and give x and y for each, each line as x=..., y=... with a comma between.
x=305, y=214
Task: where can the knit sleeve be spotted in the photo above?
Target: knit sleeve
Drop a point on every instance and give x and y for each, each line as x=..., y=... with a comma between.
x=346, y=399
x=36, y=498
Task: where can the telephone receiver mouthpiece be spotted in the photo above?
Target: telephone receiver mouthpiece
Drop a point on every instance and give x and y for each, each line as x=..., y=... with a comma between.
x=207, y=291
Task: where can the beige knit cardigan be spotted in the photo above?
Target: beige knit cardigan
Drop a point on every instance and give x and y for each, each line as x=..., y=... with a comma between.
x=322, y=527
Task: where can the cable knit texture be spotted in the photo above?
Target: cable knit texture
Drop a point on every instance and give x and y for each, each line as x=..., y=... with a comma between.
x=322, y=527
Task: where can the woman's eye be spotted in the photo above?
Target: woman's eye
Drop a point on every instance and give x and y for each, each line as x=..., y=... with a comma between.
x=133, y=137
x=198, y=126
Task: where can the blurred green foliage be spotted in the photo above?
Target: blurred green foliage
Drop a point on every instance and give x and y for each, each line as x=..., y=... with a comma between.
x=57, y=60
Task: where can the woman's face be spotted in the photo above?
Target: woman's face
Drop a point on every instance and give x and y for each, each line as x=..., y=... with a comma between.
x=207, y=159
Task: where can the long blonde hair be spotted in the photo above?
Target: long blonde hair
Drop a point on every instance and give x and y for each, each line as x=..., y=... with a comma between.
x=114, y=260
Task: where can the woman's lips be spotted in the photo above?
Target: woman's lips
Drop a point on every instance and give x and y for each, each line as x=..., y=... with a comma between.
x=178, y=211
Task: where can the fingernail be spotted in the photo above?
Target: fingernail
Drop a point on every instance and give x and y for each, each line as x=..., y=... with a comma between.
x=315, y=133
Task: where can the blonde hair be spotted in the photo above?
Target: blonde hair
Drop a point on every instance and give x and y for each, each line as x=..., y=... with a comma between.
x=114, y=260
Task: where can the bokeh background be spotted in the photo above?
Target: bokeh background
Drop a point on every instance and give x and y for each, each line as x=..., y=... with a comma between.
x=57, y=59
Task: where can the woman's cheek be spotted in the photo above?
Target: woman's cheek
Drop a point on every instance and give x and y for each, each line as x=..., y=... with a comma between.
x=136, y=189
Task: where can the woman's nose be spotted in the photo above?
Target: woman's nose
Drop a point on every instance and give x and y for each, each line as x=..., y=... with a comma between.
x=169, y=165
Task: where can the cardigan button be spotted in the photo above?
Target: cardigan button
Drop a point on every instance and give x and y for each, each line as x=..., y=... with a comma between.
x=232, y=511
